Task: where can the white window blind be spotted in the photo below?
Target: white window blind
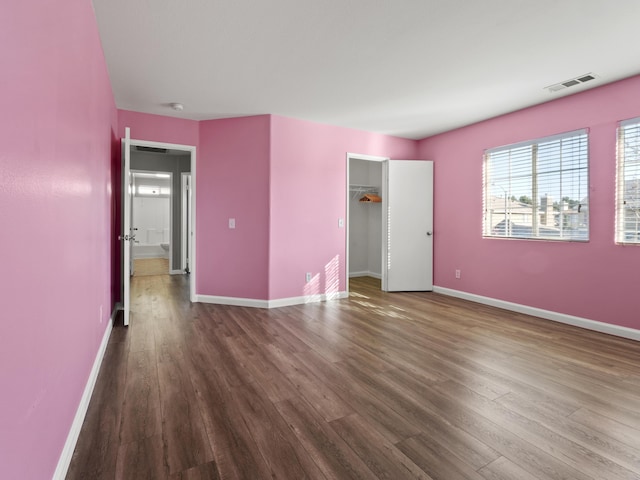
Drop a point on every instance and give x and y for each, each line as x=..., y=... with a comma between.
x=628, y=182
x=538, y=189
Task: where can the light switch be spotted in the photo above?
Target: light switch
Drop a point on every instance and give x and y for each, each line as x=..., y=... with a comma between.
x=232, y=223
x=340, y=222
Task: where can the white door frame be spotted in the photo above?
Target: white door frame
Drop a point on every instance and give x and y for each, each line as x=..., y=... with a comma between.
x=126, y=236
x=192, y=243
x=370, y=158
x=185, y=229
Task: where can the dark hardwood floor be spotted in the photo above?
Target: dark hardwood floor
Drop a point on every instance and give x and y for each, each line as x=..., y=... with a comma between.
x=377, y=386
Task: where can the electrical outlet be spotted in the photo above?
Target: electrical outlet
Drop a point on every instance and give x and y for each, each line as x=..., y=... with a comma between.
x=232, y=223
x=341, y=222
x=308, y=277
x=458, y=274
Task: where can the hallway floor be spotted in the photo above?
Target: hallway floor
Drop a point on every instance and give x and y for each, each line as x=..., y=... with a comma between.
x=144, y=267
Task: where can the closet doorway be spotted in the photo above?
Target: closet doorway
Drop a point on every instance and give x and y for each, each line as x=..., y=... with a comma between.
x=364, y=216
x=390, y=222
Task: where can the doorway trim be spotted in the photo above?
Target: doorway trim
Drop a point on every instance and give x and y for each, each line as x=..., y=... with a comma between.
x=185, y=228
x=370, y=158
x=191, y=149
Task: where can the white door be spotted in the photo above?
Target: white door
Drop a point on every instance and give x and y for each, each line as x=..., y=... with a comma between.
x=407, y=198
x=127, y=237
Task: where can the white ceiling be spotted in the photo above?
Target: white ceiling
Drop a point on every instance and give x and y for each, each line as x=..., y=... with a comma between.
x=410, y=68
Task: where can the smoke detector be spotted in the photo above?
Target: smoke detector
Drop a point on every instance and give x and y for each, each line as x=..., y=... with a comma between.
x=177, y=106
x=572, y=82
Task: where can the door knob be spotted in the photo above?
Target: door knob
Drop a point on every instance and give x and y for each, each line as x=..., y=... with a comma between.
x=429, y=234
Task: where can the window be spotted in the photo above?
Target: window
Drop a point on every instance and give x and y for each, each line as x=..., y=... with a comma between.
x=628, y=183
x=538, y=189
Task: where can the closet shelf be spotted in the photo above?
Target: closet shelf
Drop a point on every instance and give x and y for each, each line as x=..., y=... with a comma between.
x=363, y=189
x=368, y=193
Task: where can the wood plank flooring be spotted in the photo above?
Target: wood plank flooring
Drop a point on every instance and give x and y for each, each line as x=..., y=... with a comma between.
x=377, y=386
x=143, y=267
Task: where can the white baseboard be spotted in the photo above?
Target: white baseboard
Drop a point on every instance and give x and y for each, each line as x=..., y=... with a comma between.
x=280, y=302
x=234, y=301
x=72, y=438
x=602, y=327
x=365, y=274
x=322, y=297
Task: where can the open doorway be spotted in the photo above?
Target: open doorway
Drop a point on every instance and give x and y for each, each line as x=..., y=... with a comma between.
x=164, y=168
x=152, y=223
x=364, y=216
x=173, y=159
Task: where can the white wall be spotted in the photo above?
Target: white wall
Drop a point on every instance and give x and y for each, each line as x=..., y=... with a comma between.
x=365, y=221
x=151, y=218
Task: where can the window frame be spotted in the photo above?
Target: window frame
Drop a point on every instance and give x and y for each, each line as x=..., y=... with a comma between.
x=621, y=181
x=489, y=230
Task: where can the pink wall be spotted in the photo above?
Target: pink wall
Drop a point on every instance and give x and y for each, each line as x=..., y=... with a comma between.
x=597, y=280
x=233, y=182
x=57, y=124
x=260, y=170
x=158, y=128
x=308, y=196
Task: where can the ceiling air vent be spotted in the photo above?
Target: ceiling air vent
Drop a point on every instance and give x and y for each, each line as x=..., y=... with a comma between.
x=572, y=82
x=586, y=78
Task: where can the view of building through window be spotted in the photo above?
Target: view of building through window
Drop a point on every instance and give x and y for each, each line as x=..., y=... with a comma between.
x=538, y=189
